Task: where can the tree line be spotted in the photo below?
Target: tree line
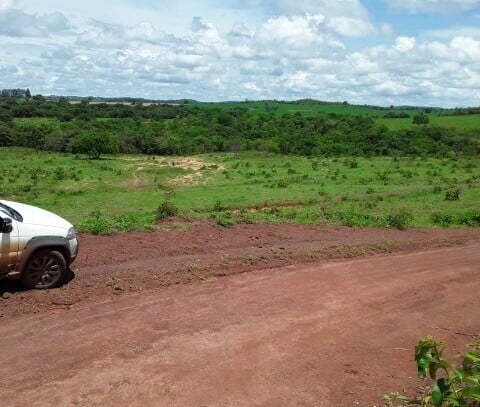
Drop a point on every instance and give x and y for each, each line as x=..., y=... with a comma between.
x=96, y=129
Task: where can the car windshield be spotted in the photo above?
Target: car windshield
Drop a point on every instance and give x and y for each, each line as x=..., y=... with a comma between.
x=10, y=212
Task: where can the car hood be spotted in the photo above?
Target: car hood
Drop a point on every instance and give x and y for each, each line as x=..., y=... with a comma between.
x=35, y=216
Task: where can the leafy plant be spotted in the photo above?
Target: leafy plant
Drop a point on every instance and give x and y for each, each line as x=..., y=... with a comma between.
x=226, y=221
x=166, y=210
x=399, y=220
x=219, y=206
x=452, y=386
x=452, y=195
x=96, y=224
x=442, y=219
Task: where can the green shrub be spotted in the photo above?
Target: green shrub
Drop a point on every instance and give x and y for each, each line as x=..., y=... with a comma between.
x=421, y=119
x=96, y=224
x=452, y=195
x=351, y=218
x=133, y=221
x=442, y=219
x=471, y=219
x=226, y=222
x=219, y=206
x=166, y=210
x=399, y=220
x=351, y=163
x=451, y=386
x=282, y=183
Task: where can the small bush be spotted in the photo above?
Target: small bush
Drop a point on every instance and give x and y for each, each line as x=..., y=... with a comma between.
x=351, y=163
x=128, y=222
x=96, y=224
x=282, y=183
x=226, y=222
x=471, y=219
x=451, y=386
x=166, y=210
x=219, y=206
x=399, y=220
x=452, y=195
x=442, y=219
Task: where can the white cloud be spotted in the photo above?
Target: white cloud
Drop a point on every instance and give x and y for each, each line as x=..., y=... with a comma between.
x=446, y=33
x=299, y=82
x=251, y=86
x=17, y=23
x=198, y=25
x=292, y=32
x=6, y=4
x=418, y=6
x=144, y=32
x=466, y=48
x=345, y=8
x=350, y=27
x=404, y=44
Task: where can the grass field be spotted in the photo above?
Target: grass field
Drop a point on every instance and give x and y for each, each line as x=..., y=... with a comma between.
x=468, y=122
x=309, y=108
x=122, y=193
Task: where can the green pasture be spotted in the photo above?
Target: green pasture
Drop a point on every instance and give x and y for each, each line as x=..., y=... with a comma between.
x=464, y=123
x=122, y=193
x=467, y=122
x=309, y=108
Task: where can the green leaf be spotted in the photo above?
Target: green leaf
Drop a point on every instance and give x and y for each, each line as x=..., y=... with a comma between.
x=461, y=375
x=475, y=380
x=473, y=392
x=437, y=396
x=470, y=358
x=422, y=365
x=444, y=386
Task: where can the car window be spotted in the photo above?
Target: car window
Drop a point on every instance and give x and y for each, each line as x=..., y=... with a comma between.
x=10, y=212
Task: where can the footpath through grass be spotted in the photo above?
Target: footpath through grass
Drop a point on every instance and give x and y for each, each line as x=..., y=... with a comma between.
x=122, y=193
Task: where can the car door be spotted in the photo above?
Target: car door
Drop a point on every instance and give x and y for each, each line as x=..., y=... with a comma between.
x=8, y=247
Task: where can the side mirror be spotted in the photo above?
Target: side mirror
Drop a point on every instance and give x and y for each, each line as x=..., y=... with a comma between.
x=6, y=225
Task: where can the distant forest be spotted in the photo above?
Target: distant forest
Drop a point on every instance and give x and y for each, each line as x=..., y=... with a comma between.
x=182, y=129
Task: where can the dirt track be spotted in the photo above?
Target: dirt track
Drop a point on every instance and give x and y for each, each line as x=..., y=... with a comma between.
x=334, y=333
x=119, y=265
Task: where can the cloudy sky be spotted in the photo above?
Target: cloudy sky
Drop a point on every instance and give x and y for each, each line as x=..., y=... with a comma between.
x=422, y=52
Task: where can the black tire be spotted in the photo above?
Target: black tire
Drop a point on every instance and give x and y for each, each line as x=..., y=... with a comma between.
x=45, y=269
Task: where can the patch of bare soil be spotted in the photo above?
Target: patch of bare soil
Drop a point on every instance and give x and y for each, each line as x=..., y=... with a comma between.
x=112, y=266
x=194, y=165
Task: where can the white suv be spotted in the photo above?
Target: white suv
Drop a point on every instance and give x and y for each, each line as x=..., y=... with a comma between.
x=36, y=246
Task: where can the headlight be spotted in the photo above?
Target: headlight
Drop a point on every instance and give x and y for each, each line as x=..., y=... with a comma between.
x=71, y=234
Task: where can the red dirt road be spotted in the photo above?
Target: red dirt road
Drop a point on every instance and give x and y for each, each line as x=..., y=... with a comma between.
x=119, y=265
x=333, y=334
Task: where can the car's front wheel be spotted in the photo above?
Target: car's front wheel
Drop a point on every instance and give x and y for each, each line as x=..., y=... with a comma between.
x=45, y=269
